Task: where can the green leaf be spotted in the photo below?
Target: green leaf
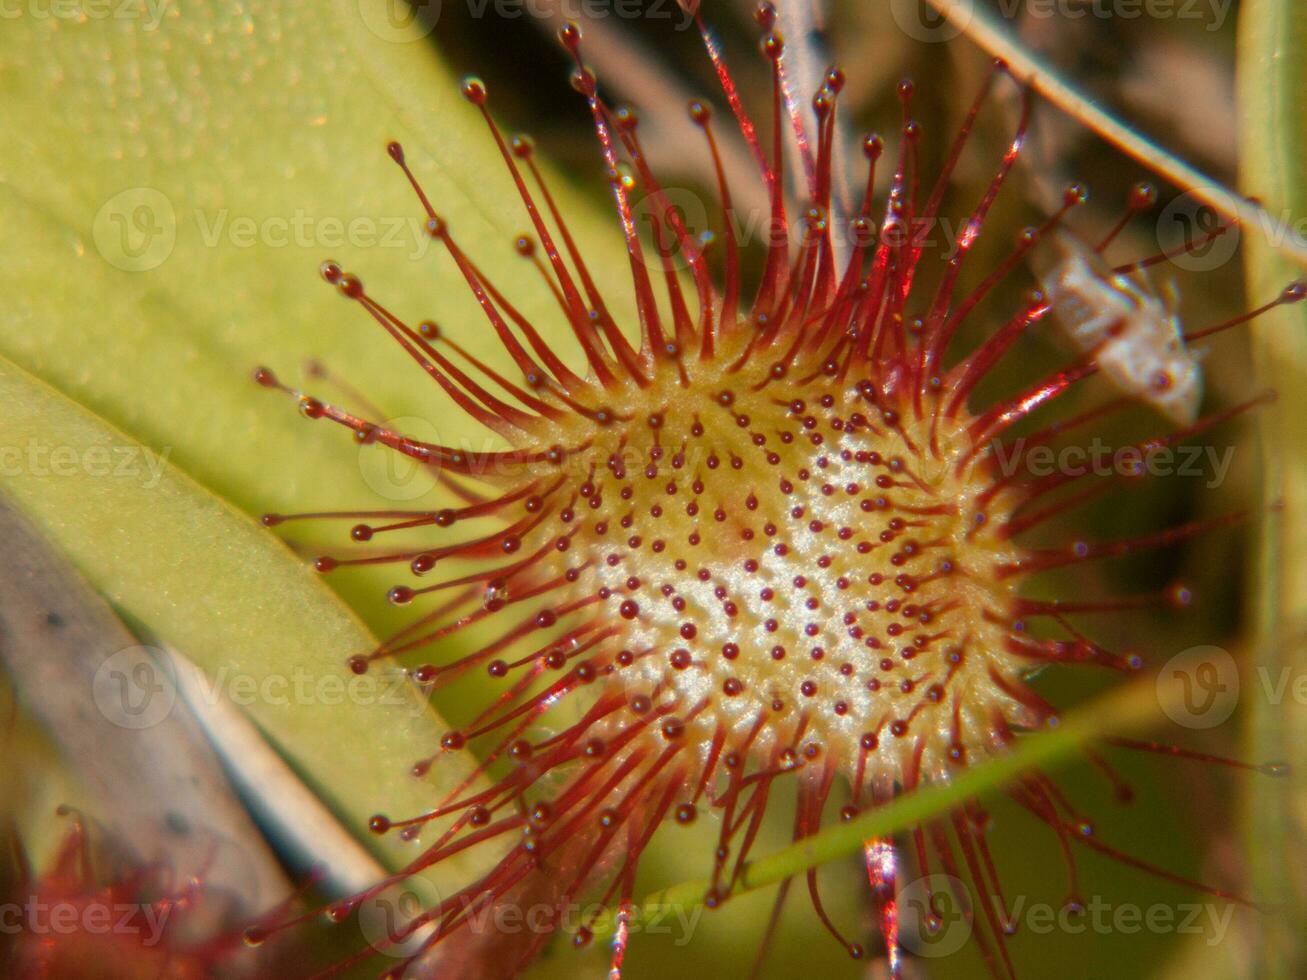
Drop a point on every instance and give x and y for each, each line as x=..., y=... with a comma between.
x=1272, y=78
x=172, y=178
x=165, y=225
x=210, y=581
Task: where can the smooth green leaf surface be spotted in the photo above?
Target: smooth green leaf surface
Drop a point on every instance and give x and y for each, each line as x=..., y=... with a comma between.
x=186, y=568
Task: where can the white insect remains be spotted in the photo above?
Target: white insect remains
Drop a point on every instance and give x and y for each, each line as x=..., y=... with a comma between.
x=1134, y=335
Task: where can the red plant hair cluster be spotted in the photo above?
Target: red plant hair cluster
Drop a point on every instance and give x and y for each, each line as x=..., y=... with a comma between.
x=764, y=540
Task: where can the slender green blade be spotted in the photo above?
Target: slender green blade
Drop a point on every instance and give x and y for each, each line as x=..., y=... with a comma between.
x=1272, y=80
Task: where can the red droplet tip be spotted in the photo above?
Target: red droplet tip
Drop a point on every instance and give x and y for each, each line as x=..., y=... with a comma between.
x=474, y=90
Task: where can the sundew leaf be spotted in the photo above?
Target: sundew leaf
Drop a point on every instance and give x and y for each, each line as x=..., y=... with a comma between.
x=1272, y=78
x=185, y=568
x=173, y=176
x=169, y=189
x=165, y=226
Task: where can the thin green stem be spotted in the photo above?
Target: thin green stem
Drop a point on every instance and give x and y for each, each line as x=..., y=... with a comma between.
x=1128, y=708
x=1273, y=137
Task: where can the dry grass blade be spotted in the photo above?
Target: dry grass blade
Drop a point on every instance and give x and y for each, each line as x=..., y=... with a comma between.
x=982, y=26
x=159, y=793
